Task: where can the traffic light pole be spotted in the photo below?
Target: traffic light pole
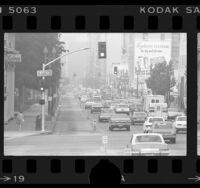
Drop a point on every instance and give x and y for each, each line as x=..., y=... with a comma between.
x=43, y=94
x=43, y=97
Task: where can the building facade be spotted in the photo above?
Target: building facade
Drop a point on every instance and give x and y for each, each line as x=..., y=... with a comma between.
x=11, y=58
x=198, y=84
x=141, y=50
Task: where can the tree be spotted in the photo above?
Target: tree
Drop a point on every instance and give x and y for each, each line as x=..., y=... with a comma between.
x=160, y=80
x=31, y=47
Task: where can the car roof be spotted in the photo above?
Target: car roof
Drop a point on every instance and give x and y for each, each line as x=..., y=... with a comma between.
x=120, y=115
x=155, y=117
x=144, y=134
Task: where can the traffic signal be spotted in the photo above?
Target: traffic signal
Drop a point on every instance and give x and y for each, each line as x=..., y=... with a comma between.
x=102, y=50
x=42, y=101
x=42, y=85
x=115, y=70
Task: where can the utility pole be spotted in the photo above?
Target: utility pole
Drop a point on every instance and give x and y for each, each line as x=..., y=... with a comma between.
x=43, y=106
x=52, y=86
x=43, y=92
x=43, y=78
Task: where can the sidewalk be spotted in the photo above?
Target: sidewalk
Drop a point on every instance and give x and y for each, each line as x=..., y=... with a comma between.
x=28, y=126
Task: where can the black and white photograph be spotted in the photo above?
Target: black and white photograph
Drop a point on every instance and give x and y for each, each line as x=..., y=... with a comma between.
x=96, y=94
x=198, y=97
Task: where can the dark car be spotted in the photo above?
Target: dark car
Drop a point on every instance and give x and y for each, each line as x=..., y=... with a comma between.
x=138, y=117
x=167, y=130
x=105, y=115
x=96, y=108
x=88, y=104
x=119, y=121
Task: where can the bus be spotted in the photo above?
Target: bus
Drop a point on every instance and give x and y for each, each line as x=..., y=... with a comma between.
x=152, y=99
x=158, y=109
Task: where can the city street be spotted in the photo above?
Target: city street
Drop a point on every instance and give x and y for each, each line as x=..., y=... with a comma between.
x=74, y=135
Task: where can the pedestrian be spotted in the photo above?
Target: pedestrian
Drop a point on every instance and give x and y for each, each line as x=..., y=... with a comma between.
x=94, y=125
x=19, y=120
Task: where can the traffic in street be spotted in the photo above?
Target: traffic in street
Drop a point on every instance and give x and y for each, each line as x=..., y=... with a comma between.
x=74, y=134
x=96, y=94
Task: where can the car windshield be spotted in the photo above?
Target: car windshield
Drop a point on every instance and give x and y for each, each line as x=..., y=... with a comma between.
x=123, y=106
x=106, y=111
x=181, y=119
x=163, y=126
x=148, y=138
x=119, y=116
x=172, y=110
x=139, y=114
x=151, y=120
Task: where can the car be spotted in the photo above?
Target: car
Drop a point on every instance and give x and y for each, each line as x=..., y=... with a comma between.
x=107, y=103
x=151, y=144
x=96, y=108
x=119, y=121
x=149, y=121
x=180, y=124
x=113, y=105
x=88, y=104
x=173, y=113
x=105, y=114
x=122, y=108
x=84, y=98
x=138, y=117
x=167, y=130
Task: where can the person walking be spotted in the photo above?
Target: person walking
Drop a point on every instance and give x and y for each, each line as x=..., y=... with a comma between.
x=19, y=120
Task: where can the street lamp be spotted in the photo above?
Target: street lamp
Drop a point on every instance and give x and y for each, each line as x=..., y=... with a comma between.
x=137, y=71
x=44, y=65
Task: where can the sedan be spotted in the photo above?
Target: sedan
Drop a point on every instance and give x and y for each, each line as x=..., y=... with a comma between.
x=138, y=117
x=150, y=144
x=181, y=124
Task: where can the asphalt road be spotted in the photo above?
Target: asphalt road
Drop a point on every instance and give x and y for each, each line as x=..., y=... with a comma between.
x=74, y=135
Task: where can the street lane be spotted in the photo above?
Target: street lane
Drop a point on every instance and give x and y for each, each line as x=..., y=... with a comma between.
x=74, y=135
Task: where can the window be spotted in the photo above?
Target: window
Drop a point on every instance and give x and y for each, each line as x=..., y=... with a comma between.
x=145, y=36
x=155, y=119
x=153, y=101
x=182, y=119
x=162, y=36
x=148, y=138
x=157, y=101
x=158, y=108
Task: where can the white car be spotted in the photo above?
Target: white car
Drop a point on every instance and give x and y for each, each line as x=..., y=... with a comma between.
x=150, y=120
x=150, y=144
x=181, y=123
x=122, y=108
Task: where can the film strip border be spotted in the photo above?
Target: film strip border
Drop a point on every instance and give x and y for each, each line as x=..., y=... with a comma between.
x=138, y=170
x=105, y=23
x=99, y=18
x=113, y=19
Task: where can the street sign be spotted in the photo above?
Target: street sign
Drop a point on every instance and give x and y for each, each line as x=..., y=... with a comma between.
x=104, y=139
x=14, y=58
x=44, y=73
x=49, y=98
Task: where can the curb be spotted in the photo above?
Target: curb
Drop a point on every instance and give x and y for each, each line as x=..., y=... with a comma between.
x=33, y=134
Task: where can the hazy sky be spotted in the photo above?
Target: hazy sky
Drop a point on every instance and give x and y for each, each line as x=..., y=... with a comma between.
x=76, y=62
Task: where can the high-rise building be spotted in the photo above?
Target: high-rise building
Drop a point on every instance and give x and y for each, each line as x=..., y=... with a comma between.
x=198, y=79
x=11, y=57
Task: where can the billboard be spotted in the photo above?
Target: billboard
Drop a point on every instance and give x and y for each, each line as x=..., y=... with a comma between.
x=149, y=53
